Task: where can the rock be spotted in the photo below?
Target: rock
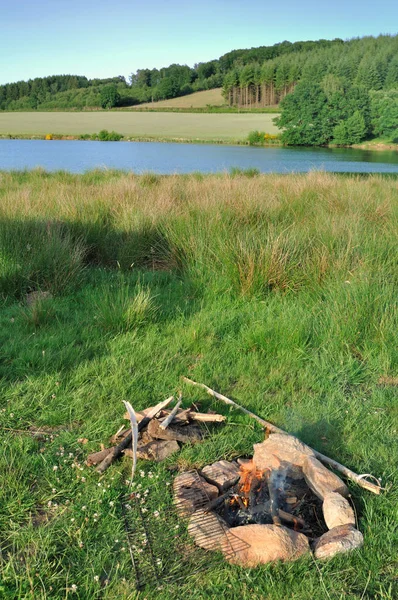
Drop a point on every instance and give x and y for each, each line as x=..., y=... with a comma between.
x=192, y=492
x=339, y=539
x=207, y=529
x=252, y=545
x=181, y=433
x=337, y=511
x=222, y=473
x=321, y=480
x=34, y=298
x=280, y=447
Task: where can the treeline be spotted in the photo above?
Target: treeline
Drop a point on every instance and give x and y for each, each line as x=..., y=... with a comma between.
x=370, y=63
x=145, y=85
x=57, y=91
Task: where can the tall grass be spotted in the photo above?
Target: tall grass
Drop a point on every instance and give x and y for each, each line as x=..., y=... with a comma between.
x=248, y=236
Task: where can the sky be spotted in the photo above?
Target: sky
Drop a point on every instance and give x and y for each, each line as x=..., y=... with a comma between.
x=99, y=38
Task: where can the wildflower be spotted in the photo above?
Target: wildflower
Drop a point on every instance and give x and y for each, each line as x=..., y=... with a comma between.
x=96, y=578
x=83, y=480
x=72, y=520
x=81, y=544
x=84, y=507
x=167, y=483
x=53, y=491
x=70, y=454
x=55, y=468
x=95, y=515
x=49, y=504
x=156, y=513
x=111, y=503
x=150, y=475
x=142, y=473
x=53, y=396
x=73, y=587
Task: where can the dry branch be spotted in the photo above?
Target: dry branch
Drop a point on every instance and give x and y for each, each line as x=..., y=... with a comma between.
x=359, y=479
x=171, y=416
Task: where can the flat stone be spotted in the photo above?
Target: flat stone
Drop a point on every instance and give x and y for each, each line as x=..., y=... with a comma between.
x=192, y=492
x=252, y=545
x=339, y=539
x=321, y=480
x=280, y=447
x=337, y=511
x=207, y=529
x=222, y=473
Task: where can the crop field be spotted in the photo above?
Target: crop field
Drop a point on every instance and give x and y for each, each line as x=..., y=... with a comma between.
x=278, y=291
x=224, y=127
x=195, y=100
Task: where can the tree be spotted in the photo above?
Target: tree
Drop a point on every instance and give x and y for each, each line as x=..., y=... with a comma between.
x=351, y=131
x=110, y=97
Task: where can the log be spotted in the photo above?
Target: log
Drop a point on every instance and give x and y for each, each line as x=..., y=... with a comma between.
x=96, y=457
x=358, y=479
x=180, y=433
x=117, y=451
x=171, y=416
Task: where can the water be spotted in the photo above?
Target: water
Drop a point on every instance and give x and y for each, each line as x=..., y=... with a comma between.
x=165, y=158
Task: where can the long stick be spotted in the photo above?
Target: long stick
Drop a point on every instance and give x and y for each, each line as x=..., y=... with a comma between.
x=118, y=450
x=359, y=479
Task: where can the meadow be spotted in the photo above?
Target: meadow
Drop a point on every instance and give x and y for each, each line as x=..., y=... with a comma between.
x=196, y=100
x=151, y=125
x=279, y=291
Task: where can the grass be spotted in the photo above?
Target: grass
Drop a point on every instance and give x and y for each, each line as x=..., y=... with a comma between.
x=196, y=100
x=279, y=291
x=224, y=127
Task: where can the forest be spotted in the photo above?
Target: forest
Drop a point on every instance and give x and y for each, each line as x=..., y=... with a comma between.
x=329, y=91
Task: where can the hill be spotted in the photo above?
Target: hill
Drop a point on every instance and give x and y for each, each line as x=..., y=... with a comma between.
x=195, y=100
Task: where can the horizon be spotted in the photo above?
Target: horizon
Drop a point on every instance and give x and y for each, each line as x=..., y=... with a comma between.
x=107, y=41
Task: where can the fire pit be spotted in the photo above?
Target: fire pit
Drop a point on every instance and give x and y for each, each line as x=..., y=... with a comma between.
x=278, y=505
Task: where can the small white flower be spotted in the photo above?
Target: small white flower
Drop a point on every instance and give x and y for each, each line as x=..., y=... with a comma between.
x=49, y=504
x=99, y=484
x=72, y=520
x=167, y=483
x=70, y=454
x=156, y=513
x=55, y=468
x=95, y=515
x=111, y=503
x=116, y=541
x=138, y=495
x=83, y=479
x=96, y=578
x=84, y=507
x=150, y=475
x=142, y=473
x=73, y=587
x=53, y=491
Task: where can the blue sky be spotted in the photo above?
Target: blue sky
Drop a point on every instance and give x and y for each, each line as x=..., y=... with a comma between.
x=101, y=38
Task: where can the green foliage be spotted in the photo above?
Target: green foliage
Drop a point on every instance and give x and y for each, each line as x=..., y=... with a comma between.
x=107, y=136
x=351, y=131
x=310, y=117
x=110, y=96
x=260, y=138
x=385, y=113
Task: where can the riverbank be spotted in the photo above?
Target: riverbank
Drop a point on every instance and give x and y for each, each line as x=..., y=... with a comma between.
x=279, y=291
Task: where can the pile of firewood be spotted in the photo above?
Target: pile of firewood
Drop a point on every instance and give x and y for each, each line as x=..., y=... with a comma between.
x=160, y=433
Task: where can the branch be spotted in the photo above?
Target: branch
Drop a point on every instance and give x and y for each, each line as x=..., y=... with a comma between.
x=359, y=479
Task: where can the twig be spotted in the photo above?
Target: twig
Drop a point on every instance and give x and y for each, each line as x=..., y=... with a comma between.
x=171, y=416
x=359, y=479
x=134, y=435
x=118, y=450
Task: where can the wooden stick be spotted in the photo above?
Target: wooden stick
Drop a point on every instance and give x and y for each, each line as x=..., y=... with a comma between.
x=171, y=416
x=206, y=417
x=359, y=479
x=134, y=435
x=118, y=450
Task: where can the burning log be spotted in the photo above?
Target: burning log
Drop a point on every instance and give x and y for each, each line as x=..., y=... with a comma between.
x=358, y=479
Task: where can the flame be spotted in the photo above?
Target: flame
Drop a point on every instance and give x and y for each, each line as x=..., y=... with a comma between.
x=250, y=476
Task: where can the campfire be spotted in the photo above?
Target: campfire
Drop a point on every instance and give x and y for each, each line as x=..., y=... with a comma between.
x=278, y=505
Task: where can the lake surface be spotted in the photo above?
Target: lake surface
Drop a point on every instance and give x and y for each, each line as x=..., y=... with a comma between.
x=165, y=158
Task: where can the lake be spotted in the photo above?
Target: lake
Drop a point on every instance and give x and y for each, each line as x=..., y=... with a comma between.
x=168, y=158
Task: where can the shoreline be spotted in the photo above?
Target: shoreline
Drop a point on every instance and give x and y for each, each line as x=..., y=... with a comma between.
x=369, y=146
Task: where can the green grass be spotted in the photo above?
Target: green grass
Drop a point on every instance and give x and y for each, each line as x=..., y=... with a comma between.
x=224, y=127
x=196, y=100
x=279, y=291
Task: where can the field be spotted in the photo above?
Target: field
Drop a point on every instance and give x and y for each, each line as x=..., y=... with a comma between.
x=279, y=291
x=195, y=100
x=224, y=127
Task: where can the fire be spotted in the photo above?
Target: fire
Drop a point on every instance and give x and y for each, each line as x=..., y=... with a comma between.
x=250, y=477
